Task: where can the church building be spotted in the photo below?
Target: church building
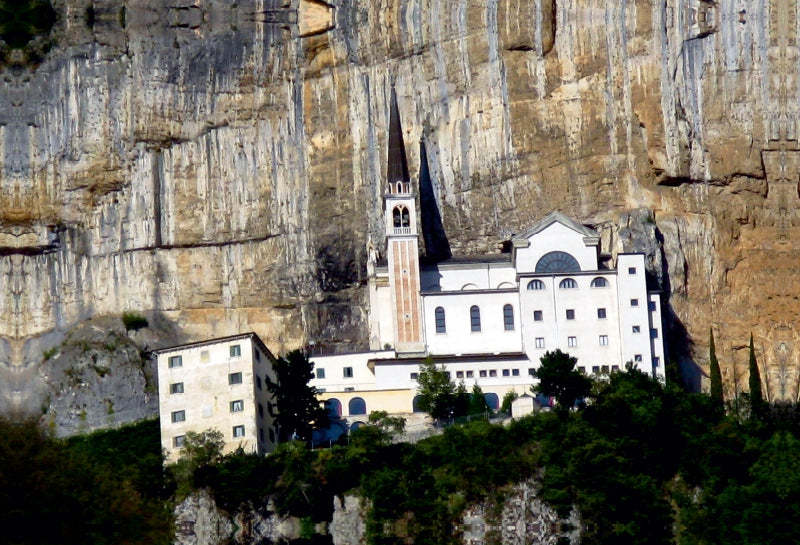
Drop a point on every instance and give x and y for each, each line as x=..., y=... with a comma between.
x=489, y=319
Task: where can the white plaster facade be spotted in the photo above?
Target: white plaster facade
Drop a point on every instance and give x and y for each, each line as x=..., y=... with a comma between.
x=490, y=320
x=217, y=384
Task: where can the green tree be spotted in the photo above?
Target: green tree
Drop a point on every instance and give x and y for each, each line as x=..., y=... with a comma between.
x=461, y=400
x=477, y=401
x=714, y=373
x=299, y=410
x=388, y=424
x=756, y=396
x=508, y=399
x=559, y=378
x=436, y=390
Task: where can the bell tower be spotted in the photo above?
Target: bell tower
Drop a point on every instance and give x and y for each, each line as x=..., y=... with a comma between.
x=402, y=244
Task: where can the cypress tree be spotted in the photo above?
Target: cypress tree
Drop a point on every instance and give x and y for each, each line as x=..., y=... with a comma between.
x=756, y=397
x=714, y=373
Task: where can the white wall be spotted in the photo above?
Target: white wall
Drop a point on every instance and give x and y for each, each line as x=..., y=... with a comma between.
x=556, y=237
x=468, y=276
x=636, y=347
x=459, y=337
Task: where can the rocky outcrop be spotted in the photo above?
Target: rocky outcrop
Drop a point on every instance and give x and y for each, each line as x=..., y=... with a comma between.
x=97, y=377
x=523, y=519
x=198, y=521
x=221, y=164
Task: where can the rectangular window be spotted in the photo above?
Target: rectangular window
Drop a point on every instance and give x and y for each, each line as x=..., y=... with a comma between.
x=237, y=406
x=349, y=389
x=414, y=376
x=656, y=361
x=482, y=373
x=515, y=372
x=531, y=371
x=271, y=436
x=347, y=372
x=470, y=374
x=320, y=373
x=260, y=410
x=270, y=408
x=539, y=342
x=634, y=302
x=235, y=378
x=538, y=316
x=260, y=435
x=506, y=372
x=603, y=340
x=601, y=313
x=631, y=270
x=175, y=361
x=238, y=431
x=604, y=369
x=636, y=329
x=572, y=342
x=178, y=416
x=236, y=351
x=582, y=369
x=492, y=372
x=653, y=333
x=637, y=358
x=615, y=367
x=570, y=314
x=651, y=306
x=258, y=356
x=258, y=382
x=595, y=369
x=176, y=388
x=204, y=357
x=447, y=374
x=459, y=374
x=178, y=440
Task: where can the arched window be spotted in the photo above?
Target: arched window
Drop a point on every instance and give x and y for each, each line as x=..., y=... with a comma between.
x=568, y=284
x=599, y=282
x=401, y=217
x=555, y=262
x=492, y=401
x=441, y=325
x=508, y=318
x=357, y=406
x=415, y=404
x=535, y=285
x=355, y=425
x=475, y=318
x=334, y=408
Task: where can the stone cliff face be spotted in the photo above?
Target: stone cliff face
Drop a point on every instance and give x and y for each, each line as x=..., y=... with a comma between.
x=218, y=166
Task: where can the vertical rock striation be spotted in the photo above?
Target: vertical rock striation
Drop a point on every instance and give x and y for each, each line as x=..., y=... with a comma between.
x=219, y=165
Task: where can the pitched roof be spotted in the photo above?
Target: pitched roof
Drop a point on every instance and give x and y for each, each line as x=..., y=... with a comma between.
x=550, y=219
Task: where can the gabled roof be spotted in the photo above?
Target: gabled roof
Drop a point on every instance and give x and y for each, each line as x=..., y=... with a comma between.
x=522, y=240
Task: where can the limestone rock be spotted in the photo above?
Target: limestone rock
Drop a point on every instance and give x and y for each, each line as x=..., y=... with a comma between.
x=348, y=526
x=221, y=164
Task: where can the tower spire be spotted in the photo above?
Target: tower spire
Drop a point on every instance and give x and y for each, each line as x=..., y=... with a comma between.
x=397, y=165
